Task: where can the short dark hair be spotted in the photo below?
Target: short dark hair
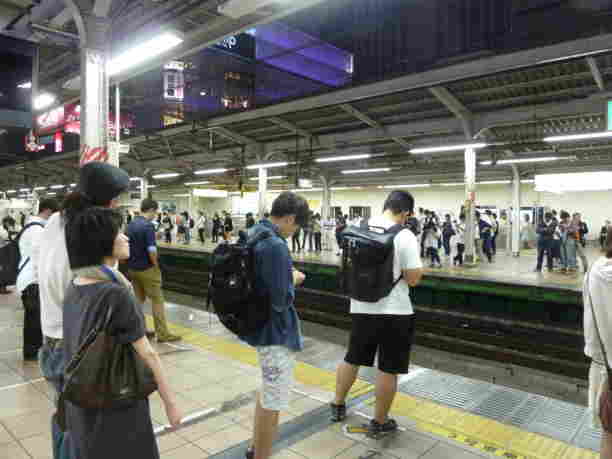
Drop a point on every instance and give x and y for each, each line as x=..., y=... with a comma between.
x=90, y=236
x=548, y=215
x=148, y=205
x=399, y=201
x=267, y=215
x=48, y=204
x=288, y=203
x=564, y=214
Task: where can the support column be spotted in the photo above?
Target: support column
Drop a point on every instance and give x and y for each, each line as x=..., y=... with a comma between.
x=470, y=217
x=95, y=91
x=516, y=212
x=326, y=203
x=144, y=188
x=263, y=192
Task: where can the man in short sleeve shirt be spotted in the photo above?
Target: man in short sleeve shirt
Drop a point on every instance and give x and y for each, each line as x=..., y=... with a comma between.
x=143, y=266
x=384, y=328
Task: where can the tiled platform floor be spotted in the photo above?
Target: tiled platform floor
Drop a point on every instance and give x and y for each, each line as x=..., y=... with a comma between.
x=215, y=376
x=505, y=267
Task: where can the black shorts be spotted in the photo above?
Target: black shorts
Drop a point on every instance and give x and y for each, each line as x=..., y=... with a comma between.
x=389, y=335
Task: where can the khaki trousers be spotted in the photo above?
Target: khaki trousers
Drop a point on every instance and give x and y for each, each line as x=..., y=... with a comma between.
x=148, y=284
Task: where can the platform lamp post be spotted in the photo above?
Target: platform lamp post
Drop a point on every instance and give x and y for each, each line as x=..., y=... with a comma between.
x=516, y=211
x=470, y=217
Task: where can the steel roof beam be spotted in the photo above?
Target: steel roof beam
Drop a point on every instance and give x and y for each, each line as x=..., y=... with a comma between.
x=451, y=102
x=290, y=127
x=348, y=108
x=595, y=71
x=234, y=136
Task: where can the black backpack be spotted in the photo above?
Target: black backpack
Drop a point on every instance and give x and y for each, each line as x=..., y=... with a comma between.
x=231, y=286
x=191, y=223
x=10, y=257
x=367, y=262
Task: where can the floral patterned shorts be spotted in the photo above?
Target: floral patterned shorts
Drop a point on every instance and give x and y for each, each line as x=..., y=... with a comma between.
x=277, y=364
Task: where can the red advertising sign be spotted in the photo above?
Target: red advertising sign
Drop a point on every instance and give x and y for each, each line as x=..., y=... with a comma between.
x=89, y=155
x=68, y=119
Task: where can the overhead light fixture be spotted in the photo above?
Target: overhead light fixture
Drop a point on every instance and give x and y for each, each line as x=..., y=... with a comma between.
x=580, y=181
x=267, y=166
x=420, y=185
x=151, y=186
x=11, y=191
x=186, y=195
x=72, y=185
x=165, y=176
x=569, y=138
x=52, y=194
x=196, y=183
x=135, y=179
x=528, y=181
x=345, y=188
x=24, y=190
x=43, y=100
x=40, y=188
x=57, y=187
x=494, y=182
x=342, y=158
x=523, y=160
x=208, y=193
x=367, y=171
x=26, y=85
x=305, y=190
x=452, y=184
x=273, y=177
x=210, y=171
x=442, y=148
x=143, y=52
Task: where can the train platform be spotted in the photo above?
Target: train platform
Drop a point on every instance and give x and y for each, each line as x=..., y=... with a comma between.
x=505, y=268
x=216, y=377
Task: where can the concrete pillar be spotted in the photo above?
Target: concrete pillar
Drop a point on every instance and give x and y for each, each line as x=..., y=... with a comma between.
x=263, y=192
x=516, y=212
x=95, y=91
x=326, y=203
x=470, y=191
x=144, y=188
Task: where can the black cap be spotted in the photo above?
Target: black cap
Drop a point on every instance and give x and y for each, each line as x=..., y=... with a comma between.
x=102, y=183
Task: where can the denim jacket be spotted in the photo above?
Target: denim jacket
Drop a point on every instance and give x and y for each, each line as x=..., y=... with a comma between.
x=274, y=276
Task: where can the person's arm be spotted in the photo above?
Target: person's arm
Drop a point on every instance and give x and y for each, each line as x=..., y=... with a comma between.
x=152, y=246
x=151, y=358
x=273, y=262
x=410, y=258
x=35, y=237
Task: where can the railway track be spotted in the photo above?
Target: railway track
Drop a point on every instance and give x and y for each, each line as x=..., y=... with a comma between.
x=541, y=346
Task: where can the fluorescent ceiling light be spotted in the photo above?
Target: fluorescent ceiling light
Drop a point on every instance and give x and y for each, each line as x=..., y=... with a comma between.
x=342, y=158
x=569, y=138
x=273, y=177
x=305, y=190
x=367, y=171
x=343, y=188
x=209, y=193
x=151, y=186
x=143, y=52
x=40, y=188
x=11, y=191
x=528, y=181
x=181, y=195
x=494, y=182
x=72, y=185
x=210, y=171
x=522, y=160
x=52, y=194
x=26, y=85
x=57, y=187
x=421, y=185
x=448, y=148
x=135, y=179
x=196, y=183
x=43, y=101
x=452, y=184
x=267, y=166
x=580, y=181
x=24, y=190
x=164, y=176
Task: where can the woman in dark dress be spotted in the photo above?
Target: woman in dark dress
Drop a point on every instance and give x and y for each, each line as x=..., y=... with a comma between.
x=95, y=245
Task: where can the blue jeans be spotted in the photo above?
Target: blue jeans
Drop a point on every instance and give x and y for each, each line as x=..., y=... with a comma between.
x=52, y=364
x=568, y=252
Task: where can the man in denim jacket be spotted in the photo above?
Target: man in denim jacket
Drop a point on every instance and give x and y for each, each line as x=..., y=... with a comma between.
x=279, y=340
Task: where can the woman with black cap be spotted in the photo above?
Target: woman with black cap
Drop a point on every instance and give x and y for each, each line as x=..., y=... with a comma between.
x=100, y=184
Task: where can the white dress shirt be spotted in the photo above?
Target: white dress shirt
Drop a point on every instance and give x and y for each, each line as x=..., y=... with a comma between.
x=29, y=245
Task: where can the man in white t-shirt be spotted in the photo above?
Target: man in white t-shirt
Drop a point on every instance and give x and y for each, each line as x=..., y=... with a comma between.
x=386, y=327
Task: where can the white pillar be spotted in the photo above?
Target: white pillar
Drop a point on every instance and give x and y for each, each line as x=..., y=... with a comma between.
x=516, y=212
x=144, y=188
x=326, y=203
x=470, y=191
x=95, y=93
x=263, y=192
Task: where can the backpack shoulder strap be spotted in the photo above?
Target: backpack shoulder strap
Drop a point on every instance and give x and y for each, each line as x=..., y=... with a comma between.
x=29, y=225
x=603, y=348
x=396, y=229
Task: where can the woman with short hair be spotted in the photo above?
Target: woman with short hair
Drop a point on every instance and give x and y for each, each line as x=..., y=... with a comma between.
x=597, y=298
x=95, y=246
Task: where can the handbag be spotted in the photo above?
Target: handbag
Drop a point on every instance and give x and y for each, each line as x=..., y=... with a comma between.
x=104, y=373
x=605, y=400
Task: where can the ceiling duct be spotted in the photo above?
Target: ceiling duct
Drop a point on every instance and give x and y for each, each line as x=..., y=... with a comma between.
x=236, y=9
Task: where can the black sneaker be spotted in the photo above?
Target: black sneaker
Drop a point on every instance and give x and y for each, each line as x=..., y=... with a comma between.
x=377, y=430
x=250, y=453
x=338, y=412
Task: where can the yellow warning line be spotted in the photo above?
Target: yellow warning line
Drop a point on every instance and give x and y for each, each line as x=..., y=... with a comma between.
x=304, y=373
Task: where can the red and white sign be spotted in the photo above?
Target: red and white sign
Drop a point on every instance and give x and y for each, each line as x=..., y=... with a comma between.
x=68, y=119
x=89, y=155
x=58, y=140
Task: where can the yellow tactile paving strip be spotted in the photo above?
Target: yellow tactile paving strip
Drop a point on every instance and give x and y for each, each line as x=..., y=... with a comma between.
x=482, y=433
